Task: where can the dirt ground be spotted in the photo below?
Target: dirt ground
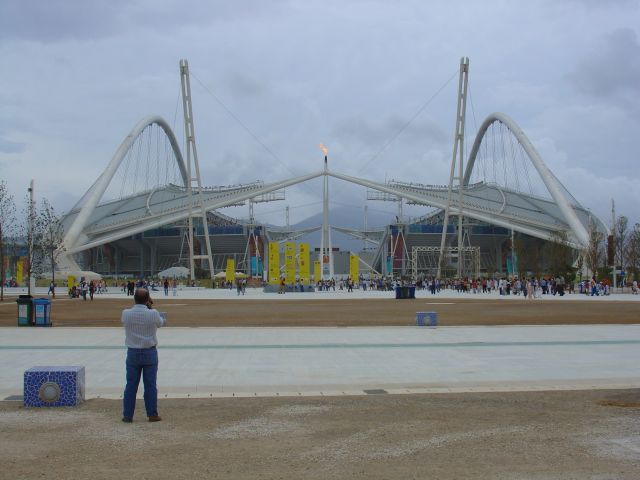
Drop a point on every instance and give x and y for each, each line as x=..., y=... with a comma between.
x=525, y=435
x=540, y=435
x=356, y=312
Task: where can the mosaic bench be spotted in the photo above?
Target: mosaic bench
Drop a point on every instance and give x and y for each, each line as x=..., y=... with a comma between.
x=54, y=386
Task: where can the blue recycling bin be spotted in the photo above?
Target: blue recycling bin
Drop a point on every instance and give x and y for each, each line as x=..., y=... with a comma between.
x=42, y=312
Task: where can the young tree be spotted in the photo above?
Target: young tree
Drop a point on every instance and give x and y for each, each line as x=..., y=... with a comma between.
x=559, y=255
x=594, y=251
x=48, y=236
x=527, y=251
x=620, y=238
x=633, y=252
x=25, y=232
x=7, y=223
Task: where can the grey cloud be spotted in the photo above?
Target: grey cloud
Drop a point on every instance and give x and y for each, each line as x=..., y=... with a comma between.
x=8, y=146
x=613, y=70
x=377, y=134
x=56, y=20
x=242, y=86
x=374, y=144
x=600, y=4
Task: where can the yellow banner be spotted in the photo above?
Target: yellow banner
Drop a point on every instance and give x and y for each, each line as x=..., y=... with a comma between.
x=71, y=281
x=290, y=263
x=230, y=273
x=317, y=272
x=354, y=267
x=20, y=271
x=274, y=263
x=303, y=263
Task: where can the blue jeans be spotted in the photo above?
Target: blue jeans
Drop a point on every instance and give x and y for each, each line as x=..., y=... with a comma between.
x=141, y=362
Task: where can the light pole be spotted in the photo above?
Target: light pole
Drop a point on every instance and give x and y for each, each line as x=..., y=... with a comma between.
x=30, y=237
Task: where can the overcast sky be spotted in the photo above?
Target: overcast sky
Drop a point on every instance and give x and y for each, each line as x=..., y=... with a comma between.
x=77, y=75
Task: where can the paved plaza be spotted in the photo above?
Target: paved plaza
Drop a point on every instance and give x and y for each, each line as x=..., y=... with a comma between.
x=217, y=362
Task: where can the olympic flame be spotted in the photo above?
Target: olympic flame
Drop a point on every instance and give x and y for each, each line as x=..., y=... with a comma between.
x=324, y=149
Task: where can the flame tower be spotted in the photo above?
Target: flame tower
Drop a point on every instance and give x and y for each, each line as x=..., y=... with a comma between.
x=326, y=250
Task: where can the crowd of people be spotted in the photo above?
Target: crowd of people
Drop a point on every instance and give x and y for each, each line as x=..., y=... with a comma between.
x=533, y=287
x=83, y=289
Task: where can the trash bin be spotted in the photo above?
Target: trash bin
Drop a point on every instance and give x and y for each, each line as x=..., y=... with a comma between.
x=42, y=312
x=25, y=310
x=405, y=292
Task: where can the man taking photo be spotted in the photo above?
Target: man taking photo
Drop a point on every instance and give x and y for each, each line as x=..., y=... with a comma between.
x=140, y=325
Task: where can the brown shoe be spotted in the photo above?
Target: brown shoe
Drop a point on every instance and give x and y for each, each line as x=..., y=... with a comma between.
x=155, y=418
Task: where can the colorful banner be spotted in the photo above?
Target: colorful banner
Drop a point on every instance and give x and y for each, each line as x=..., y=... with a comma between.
x=354, y=267
x=230, y=273
x=303, y=263
x=289, y=263
x=71, y=281
x=274, y=263
x=317, y=272
x=20, y=271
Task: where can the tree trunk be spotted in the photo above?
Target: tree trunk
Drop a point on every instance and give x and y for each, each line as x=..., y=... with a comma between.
x=53, y=274
x=1, y=267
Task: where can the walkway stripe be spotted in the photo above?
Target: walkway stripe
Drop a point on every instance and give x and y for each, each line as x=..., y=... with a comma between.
x=567, y=343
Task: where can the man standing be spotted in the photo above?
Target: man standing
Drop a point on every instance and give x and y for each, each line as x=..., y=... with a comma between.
x=140, y=325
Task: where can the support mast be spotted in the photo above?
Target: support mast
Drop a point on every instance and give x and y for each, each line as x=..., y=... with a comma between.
x=192, y=153
x=458, y=155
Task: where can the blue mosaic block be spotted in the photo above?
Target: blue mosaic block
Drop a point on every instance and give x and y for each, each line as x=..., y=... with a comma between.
x=431, y=317
x=54, y=386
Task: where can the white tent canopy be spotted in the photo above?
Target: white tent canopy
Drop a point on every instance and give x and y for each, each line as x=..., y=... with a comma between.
x=78, y=274
x=174, y=272
x=223, y=274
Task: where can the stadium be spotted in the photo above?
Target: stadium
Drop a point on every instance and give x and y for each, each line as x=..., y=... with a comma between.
x=147, y=212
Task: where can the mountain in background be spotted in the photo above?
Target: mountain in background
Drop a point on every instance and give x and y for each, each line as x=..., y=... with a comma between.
x=345, y=219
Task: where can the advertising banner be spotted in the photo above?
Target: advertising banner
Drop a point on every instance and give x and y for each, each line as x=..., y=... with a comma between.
x=20, y=271
x=290, y=263
x=230, y=273
x=274, y=263
x=354, y=267
x=71, y=281
x=303, y=263
x=256, y=266
x=317, y=272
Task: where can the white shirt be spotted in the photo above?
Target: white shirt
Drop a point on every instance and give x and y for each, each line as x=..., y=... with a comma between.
x=140, y=326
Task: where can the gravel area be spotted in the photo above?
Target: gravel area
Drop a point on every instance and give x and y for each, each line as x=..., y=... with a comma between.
x=525, y=435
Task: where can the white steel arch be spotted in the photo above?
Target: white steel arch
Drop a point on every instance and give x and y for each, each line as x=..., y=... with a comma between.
x=94, y=194
x=86, y=232
x=554, y=186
